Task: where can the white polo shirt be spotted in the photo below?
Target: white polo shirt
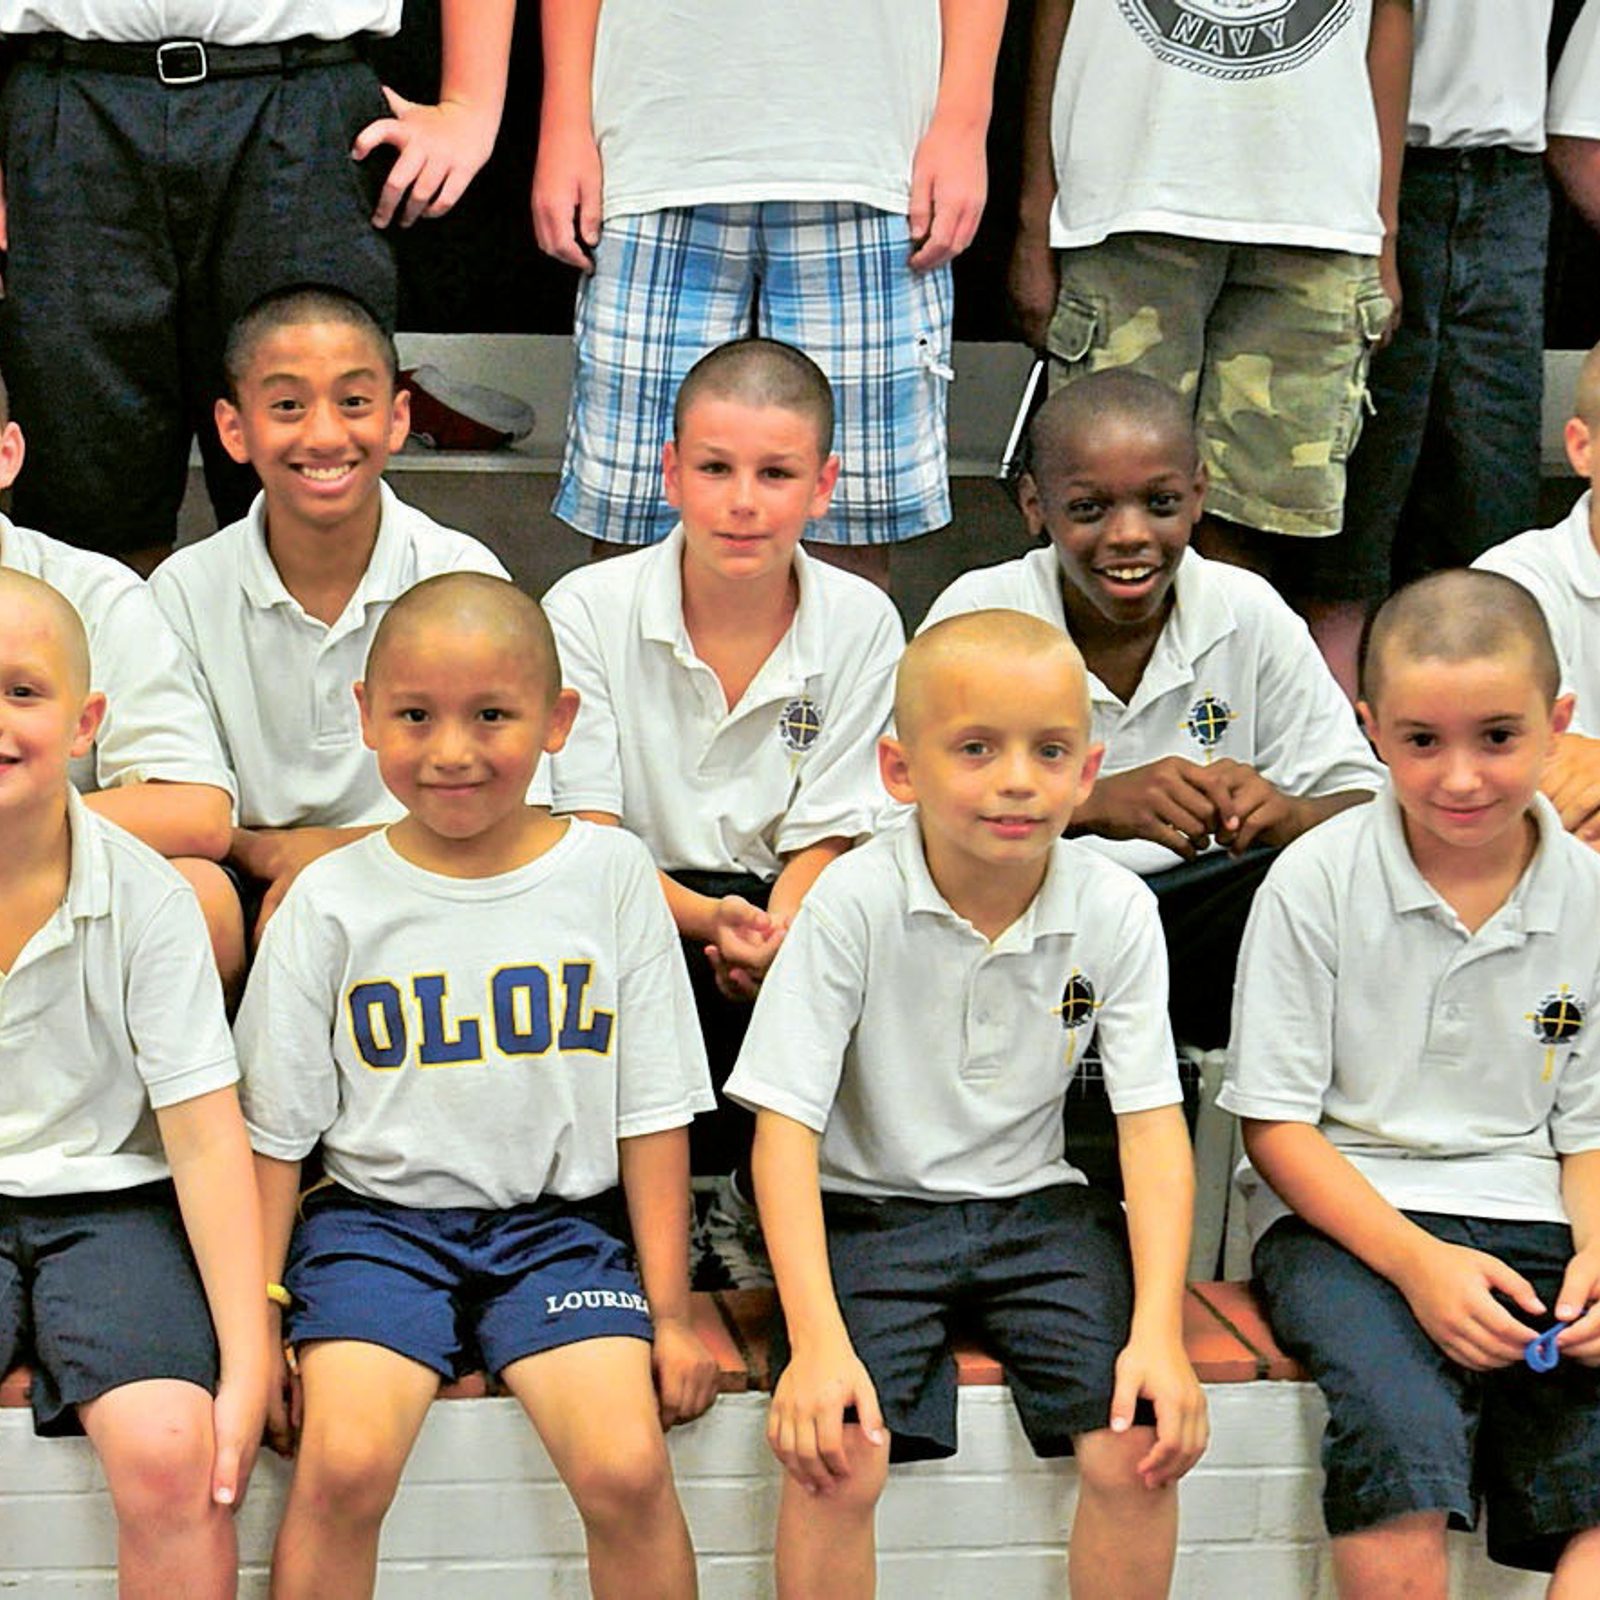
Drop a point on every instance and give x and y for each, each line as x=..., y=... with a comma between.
x=1560, y=568
x=1234, y=673
x=1478, y=74
x=215, y=21
x=656, y=744
x=471, y=1041
x=112, y=1008
x=934, y=1063
x=1451, y=1069
x=156, y=725
x=278, y=683
x=1575, y=89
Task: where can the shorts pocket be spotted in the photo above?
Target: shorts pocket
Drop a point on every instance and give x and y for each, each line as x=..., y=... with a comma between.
x=1073, y=329
x=1372, y=312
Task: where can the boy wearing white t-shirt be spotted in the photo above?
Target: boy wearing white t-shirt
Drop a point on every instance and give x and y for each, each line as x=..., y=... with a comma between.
x=1414, y=1061
x=908, y=1063
x=482, y=1016
x=802, y=171
x=733, y=689
x=277, y=611
x=130, y=1264
x=1220, y=182
x=1222, y=725
x=1560, y=568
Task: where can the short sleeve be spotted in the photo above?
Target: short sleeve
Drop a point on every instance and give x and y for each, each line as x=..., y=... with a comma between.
x=175, y=1017
x=1134, y=1034
x=284, y=1031
x=1575, y=90
x=172, y=598
x=1575, y=1120
x=793, y=1054
x=586, y=773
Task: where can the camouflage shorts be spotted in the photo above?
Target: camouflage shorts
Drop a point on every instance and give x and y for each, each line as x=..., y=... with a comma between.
x=1272, y=341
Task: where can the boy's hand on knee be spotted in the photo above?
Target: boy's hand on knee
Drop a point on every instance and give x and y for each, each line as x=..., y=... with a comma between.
x=806, y=1426
x=1250, y=810
x=1572, y=784
x=1161, y=1373
x=685, y=1372
x=1451, y=1290
x=1169, y=802
x=238, y=1413
x=284, y=1401
x=439, y=150
x=1578, y=1305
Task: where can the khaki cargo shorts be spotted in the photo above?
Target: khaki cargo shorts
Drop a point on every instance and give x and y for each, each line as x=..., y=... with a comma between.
x=1272, y=341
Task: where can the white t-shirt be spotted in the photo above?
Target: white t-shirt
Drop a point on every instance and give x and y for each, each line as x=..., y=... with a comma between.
x=278, y=683
x=933, y=1063
x=471, y=1041
x=656, y=744
x=1575, y=89
x=215, y=21
x=1478, y=74
x=1451, y=1069
x=742, y=100
x=1560, y=568
x=156, y=726
x=1249, y=121
x=1234, y=673
x=111, y=1009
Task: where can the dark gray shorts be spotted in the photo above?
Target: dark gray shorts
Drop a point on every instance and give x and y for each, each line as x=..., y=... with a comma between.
x=96, y=1291
x=1408, y=1429
x=1043, y=1281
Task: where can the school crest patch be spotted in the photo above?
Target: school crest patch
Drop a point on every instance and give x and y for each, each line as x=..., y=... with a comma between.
x=1207, y=721
x=799, y=723
x=1236, y=38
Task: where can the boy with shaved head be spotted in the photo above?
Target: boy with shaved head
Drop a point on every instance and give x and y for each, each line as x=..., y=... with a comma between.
x=481, y=1014
x=733, y=688
x=908, y=1061
x=1560, y=568
x=130, y=1267
x=1222, y=727
x=1415, y=1062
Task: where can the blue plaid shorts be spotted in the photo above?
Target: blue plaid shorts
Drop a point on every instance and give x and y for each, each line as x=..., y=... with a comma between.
x=827, y=276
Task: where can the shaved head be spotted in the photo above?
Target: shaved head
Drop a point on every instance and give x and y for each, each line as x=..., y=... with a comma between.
x=471, y=603
x=1455, y=616
x=1068, y=422
x=760, y=373
x=1586, y=397
x=25, y=599
x=943, y=653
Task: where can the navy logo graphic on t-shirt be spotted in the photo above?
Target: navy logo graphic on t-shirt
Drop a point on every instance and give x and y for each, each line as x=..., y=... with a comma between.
x=1557, y=1020
x=1236, y=38
x=799, y=723
x=1207, y=721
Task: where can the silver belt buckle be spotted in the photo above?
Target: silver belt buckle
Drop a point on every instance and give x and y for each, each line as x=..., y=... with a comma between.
x=181, y=61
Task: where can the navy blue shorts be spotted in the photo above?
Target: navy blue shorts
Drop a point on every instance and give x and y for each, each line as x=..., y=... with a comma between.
x=98, y=1291
x=1043, y=1281
x=1408, y=1429
x=456, y=1288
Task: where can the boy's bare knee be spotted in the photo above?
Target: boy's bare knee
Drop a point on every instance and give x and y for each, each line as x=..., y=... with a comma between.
x=630, y=1480
x=1108, y=1462
x=349, y=1474
x=159, y=1474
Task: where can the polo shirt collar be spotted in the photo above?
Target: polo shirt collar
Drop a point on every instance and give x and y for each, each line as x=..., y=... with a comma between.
x=385, y=577
x=20, y=549
x=1054, y=909
x=88, y=878
x=1583, y=561
x=1538, y=892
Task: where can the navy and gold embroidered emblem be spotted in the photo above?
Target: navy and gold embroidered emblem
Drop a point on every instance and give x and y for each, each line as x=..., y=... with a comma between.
x=1207, y=721
x=1077, y=1009
x=1557, y=1020
x=799, y=723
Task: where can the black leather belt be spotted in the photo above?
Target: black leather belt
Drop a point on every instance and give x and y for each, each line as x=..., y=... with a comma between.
x=178, y=62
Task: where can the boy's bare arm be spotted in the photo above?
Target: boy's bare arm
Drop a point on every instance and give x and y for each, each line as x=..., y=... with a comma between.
x=566, y=176
x=176, y=819
x=1389, y=67
x=950, y=170
x=1034, y=278
x=655, y=1179
x=1575, y=162
x=1158, y=1183
x=801, y=869
x=441, y=147
x=1580, y=1286
x=278, y=1191
x=824, y=1377
x=209, y=1154
x=1449, y=1288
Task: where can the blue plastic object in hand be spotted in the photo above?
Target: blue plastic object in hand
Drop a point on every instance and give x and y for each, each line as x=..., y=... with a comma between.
x=1541, y=1353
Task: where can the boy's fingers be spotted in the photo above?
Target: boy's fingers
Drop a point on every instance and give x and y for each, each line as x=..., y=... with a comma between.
x=868, y=1412
x=1511, y=1282
x=225, y=1473
x=1124, y=1398
x=384, y=130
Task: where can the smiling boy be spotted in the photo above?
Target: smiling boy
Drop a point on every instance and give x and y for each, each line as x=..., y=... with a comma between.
x=481, y=1014
x=1222, y=725
x=908, y=1062
x=732, y=689
x=1414, y=1062
x=277, y=611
